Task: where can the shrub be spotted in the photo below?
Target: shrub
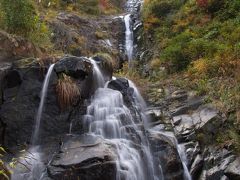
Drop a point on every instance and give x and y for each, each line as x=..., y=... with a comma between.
x=159, y=8
x=67, y=91
x=89, y=6
x=101, y=34
x=41, y=34
x=19, y=16
x=199, y=48
x=174, y=52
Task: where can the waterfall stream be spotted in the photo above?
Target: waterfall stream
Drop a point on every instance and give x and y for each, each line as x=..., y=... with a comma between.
x=128, y=37
x=40, y=109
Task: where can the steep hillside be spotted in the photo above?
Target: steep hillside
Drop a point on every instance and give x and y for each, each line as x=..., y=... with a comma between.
x=195, y=45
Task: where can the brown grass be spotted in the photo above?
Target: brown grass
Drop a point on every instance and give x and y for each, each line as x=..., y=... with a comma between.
x=67, y=91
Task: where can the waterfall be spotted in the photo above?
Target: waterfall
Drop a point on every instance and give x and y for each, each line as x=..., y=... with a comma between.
x=128, y=37
x=41, y=106
x=107, y=116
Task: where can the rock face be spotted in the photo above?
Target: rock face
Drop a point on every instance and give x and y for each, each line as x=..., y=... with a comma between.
x=82, y=36
x=22, y=84
x=85, y=157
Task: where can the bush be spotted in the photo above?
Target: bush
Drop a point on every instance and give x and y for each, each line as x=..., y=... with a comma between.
x=19, y=16
x=199, y=48
x=174, y=52
x=159, y=8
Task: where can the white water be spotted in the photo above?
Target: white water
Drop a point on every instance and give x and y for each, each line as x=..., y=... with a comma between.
x=40, y=109
x=98, y=77
x=128, y=37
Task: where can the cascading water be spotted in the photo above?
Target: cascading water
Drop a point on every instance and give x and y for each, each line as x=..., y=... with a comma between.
x=107, y=116
x=128, y=37
x=41, y=106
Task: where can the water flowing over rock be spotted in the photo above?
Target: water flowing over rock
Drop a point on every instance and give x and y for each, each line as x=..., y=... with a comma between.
x=108, y=117
x=41, y=105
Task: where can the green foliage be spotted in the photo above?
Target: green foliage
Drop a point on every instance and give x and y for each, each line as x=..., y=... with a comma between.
x=159, y=8
x=174, y=52
x=19, y=16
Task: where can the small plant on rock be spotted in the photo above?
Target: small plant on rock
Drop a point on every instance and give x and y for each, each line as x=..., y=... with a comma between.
x=68, y=91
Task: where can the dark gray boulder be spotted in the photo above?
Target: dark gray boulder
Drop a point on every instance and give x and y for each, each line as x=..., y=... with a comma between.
x=85, y=157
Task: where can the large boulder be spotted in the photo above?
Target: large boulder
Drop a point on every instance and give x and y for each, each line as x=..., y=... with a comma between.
x=205, y=120
x=85, y=157
x=80, y=69
x=22, y=94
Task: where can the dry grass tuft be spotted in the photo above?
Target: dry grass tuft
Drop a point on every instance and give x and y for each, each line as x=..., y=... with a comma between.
x=67, y=91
